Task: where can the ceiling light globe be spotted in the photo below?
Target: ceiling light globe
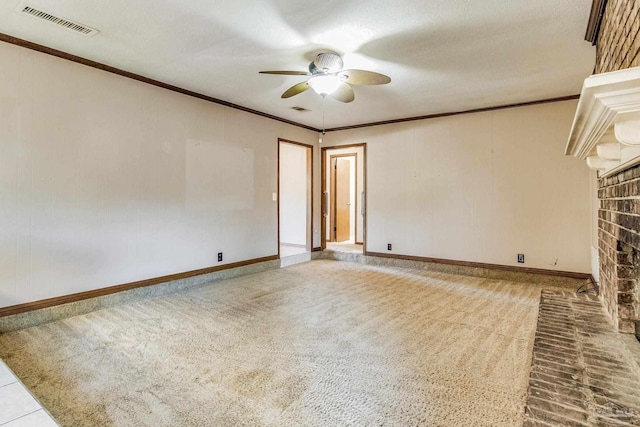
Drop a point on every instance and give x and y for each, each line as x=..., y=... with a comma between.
x=324, y=85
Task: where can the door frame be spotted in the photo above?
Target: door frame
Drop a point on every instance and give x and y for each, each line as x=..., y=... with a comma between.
x=324, y=202
x=310, y=183
x=332, y=201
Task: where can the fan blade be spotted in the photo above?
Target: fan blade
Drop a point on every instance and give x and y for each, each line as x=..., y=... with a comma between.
x=295, y=89
x=363, y=77
x=344, y=93
x=287, y=73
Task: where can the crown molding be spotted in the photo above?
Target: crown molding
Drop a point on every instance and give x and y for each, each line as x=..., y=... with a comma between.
x=80, y=60
x=595, y=20
x=456, y=113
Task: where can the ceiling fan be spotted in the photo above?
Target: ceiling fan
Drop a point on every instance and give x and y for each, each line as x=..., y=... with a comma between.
x=328, y=78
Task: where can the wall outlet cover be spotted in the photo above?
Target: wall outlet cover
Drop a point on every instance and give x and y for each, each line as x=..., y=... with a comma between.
x=521, y=258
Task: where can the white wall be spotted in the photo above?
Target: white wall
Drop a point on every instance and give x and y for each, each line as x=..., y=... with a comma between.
x=105, y=180
x=478, y=187
x=293, y=194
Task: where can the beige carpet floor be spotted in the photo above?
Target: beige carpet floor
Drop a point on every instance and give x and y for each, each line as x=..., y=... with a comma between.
x=317, y=344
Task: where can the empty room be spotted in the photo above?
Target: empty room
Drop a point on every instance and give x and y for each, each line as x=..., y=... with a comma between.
x=295, y=213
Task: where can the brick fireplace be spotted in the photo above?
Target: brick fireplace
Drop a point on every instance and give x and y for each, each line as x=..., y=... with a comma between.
x=606, y=133
x=619, y=247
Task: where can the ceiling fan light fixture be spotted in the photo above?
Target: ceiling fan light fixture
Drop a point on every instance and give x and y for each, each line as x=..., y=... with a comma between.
x=324, y=85
x=326, y=77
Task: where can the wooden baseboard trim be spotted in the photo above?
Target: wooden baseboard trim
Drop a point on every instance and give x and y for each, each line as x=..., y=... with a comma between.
x=64, y=299
x=318, y=249
x=568, y=274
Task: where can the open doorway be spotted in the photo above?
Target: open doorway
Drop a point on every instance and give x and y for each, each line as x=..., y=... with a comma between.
x=343, y=190
x=342, y=204
x=295, y=205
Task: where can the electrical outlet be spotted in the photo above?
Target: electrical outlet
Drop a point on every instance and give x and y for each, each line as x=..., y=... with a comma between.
x=521, y=258
x=388, y=246
x=219, y=256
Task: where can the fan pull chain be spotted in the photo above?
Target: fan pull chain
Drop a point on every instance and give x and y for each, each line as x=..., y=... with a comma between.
x=320, y=139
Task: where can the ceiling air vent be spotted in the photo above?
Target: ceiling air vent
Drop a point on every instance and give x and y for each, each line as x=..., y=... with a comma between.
x=301, y=109
x=61, y=22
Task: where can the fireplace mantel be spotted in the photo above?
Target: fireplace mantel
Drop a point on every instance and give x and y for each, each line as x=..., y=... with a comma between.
x=606, y=127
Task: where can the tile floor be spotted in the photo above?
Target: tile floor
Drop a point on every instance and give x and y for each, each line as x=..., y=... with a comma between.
x=346, y=247
x=288, y=250
x=18, y=408
x=293, y=254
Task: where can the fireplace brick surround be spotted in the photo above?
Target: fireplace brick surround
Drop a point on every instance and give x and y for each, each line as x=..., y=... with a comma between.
x=617, y=45
x=619, y=247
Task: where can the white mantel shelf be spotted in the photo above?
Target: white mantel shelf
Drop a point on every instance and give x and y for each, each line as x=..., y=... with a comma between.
x=606, y=127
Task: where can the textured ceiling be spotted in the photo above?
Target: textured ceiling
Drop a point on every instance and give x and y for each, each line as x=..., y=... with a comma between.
x=442, y=55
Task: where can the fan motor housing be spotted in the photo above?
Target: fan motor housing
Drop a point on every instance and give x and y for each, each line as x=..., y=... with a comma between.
x=327, y=63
